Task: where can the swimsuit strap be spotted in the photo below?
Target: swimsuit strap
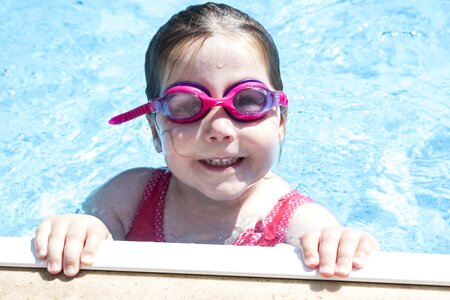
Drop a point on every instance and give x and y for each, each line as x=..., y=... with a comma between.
x=272, y=230
x=147, y=224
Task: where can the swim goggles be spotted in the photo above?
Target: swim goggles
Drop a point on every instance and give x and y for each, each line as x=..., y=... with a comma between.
x=187, y=102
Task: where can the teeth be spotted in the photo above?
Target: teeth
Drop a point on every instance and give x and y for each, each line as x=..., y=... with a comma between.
x=221, y=162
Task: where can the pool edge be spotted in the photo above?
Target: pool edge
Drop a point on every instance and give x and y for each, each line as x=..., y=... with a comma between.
x=192, y=268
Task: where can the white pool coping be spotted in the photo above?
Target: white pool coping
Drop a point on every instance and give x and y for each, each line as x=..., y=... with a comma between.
x=277, y=262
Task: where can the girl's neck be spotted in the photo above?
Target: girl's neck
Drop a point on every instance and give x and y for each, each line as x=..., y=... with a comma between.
x=190, y=216
x=191, y=201
x=190, y=198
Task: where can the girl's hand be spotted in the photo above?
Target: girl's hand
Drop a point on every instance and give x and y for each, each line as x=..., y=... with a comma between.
x=336, y=250
x=67, y=241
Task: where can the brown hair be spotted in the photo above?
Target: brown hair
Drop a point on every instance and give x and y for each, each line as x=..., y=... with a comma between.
x=197, y=23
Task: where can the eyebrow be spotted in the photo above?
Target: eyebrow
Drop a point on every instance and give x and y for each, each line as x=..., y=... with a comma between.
x=205, y=90
x=188, y=83
x=239, y=83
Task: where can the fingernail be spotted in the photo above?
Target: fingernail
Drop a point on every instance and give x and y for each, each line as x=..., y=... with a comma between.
x=358, y=262
x=41, y=253
x=69, y=270
x=343, y=269
x=53, y=268
x=87, y=259
x=311, y=261
x=327, y=270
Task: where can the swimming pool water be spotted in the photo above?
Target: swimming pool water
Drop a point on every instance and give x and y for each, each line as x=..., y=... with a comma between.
x=369, y=116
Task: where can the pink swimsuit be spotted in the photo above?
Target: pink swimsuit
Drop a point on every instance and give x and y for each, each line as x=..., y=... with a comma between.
x=148, y=221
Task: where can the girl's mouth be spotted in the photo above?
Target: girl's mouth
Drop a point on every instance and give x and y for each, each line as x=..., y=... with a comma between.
x=221, y=162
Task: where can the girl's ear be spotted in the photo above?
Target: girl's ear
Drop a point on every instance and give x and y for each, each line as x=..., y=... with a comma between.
x=156, y=139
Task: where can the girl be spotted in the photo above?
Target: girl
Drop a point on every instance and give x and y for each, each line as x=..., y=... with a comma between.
x=217, y=111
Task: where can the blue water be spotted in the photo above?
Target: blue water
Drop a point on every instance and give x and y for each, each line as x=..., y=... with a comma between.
x=369, y=116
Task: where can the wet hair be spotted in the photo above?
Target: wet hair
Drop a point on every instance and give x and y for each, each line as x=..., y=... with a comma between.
x=196, y=24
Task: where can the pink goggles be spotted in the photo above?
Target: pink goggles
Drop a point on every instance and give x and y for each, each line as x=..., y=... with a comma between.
x=187, y=102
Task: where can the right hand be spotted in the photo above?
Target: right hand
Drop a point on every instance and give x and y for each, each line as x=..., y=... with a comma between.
x=67, y=241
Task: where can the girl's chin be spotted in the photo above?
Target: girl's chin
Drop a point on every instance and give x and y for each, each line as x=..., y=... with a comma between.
x=229, y=192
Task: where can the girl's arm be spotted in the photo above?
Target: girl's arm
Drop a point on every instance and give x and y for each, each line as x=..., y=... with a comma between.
x=116, y=201
x=325, y=244
x=67, y=241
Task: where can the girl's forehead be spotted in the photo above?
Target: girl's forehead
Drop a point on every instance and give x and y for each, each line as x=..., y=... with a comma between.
x=218, y=58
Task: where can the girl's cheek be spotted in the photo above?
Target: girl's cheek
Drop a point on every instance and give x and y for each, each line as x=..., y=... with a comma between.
x=179, y=139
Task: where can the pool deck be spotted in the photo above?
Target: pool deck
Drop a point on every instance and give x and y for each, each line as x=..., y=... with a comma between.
x=127, y=270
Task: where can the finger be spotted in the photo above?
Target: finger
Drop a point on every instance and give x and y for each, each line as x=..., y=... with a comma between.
x=366, y=247
x=95, y=236
x=309, y=242
x=348, y=244
x=41, y=238
x=328, y=247
x=55, y=247
x=75, y=239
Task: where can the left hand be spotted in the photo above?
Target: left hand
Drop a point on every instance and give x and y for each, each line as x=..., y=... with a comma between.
x=336, y=250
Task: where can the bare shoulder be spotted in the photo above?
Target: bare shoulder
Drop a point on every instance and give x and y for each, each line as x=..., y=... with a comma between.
x=277, y=185
x=266, y=195
x=115, y=202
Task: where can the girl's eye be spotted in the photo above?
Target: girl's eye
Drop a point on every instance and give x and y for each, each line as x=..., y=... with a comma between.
x=183, y=105
x=250, y=101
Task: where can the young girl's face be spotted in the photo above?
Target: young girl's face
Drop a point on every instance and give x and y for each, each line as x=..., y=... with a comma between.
x=218, y=156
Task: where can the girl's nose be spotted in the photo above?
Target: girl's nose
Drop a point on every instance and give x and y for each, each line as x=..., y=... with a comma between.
x=218, y=126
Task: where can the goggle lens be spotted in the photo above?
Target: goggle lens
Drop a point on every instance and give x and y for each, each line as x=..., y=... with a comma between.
x=250, y=101
x=182, y=105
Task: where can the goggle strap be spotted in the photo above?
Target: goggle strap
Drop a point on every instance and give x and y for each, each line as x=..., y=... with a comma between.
x=283, y=100
x=133, y=114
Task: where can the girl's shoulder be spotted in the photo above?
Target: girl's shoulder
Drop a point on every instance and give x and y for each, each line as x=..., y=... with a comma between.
x=115, y=202
x=131, y=174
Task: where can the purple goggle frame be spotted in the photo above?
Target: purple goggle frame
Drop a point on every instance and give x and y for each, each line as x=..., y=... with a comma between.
x=187, y=102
